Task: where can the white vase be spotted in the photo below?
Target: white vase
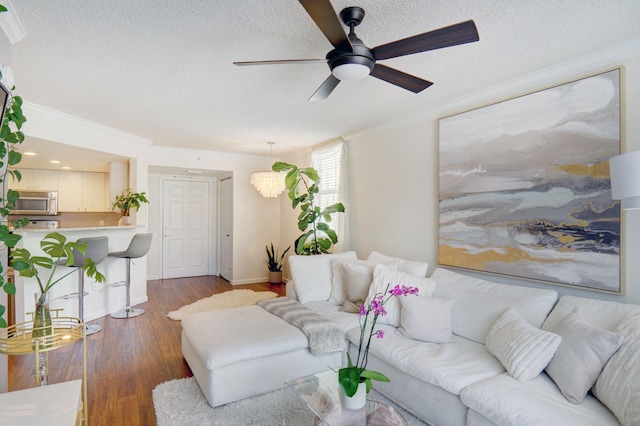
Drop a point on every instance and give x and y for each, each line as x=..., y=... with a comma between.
x=358, y=400
x=125, y=221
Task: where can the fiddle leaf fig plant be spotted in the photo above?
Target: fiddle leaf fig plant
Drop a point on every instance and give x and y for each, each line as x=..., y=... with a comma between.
x=303, y=185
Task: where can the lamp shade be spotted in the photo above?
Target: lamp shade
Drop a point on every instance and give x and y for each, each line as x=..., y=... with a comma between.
x=625, y=179
x=268, y=184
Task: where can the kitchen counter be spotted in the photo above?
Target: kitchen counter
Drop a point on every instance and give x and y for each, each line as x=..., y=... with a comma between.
x=101, y=298
x=63, y=229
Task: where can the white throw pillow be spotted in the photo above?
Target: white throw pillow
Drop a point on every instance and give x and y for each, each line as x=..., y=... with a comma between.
x=383, y=277
x=584, y=351
x=426, y=318
x=419, y=269
x=521, y=348
x=618, y=386
x=312, y=275
x=338, y=295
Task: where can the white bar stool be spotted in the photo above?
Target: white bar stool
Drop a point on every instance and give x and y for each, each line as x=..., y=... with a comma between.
x=97, y=250
x=138, y=247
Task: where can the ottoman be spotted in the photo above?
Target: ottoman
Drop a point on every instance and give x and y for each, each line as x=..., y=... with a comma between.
x=242, y=352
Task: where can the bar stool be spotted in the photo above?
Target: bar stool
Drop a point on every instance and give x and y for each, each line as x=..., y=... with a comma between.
x=97, y=250
x=138, y=247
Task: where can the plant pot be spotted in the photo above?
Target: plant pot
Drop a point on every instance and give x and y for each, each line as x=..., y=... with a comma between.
x=126, y=221
x=275, y=277
x=358, y=400
x=42, y=321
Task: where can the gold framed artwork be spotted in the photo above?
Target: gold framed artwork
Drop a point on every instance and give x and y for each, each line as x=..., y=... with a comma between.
x=524, y=187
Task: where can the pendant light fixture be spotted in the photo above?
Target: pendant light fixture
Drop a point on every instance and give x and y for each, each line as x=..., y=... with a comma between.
x=269, y=184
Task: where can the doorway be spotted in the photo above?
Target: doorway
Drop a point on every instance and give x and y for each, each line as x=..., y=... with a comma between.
x=186, y=228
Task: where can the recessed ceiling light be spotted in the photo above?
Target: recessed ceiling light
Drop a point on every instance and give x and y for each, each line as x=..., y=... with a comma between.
x=65, y=168
x=54, y=162
x=30, y=153
x=194, y=172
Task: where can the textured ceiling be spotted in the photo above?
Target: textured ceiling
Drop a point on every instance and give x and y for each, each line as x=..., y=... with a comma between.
x=163, y=69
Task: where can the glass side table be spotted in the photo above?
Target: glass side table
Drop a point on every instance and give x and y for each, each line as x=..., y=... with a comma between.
x=319, y=394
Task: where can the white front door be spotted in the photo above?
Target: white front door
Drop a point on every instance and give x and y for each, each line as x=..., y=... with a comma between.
x=226, y=229
x=185, y=223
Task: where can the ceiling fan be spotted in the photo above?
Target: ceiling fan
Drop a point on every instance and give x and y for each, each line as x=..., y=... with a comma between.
x=351, y=60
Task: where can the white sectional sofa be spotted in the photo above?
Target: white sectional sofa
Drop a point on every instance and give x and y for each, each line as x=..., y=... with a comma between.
x=466, y=351
x=461, y=381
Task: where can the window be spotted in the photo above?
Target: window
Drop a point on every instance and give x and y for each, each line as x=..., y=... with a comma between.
x=330, y=163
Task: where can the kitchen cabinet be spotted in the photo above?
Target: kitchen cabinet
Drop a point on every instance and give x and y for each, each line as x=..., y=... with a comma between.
x=82, y=192
x=34, y=179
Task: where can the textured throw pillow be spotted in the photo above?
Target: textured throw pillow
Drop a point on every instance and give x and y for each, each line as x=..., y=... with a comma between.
x=384, y=276
x=426, y=318
x=618, y=386
x=521, y=348
x=419, y=269
x=357, y=281
x=338, y=295
x=584, y=351
x=312, y=275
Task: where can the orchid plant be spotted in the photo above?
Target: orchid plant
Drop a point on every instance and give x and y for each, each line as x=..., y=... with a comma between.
x=354, y=374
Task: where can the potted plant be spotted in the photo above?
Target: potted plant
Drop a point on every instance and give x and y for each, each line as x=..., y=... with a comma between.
x=275, y=262
x=355, y=379
x=318, y=237
x=57, y=249
x=128, y=201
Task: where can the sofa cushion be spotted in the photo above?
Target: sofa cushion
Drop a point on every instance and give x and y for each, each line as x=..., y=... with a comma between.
x=523, y=349
x=582, y=354
x=357, y=281
x=506, y=401
x=419, y=269
x=451, y=366
x=618, y=386
x=479, y=303
x=599, y=313
x=385, y=278
x=312, y=275
x=426, y=318
x=338, y=284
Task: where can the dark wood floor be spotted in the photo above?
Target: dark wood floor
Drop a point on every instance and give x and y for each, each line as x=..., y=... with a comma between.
x=128, y=358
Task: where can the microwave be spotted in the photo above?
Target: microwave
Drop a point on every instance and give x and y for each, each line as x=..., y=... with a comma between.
x=37, y=203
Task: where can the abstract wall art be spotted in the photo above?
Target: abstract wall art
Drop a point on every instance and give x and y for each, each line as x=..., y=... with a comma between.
x=524, y=186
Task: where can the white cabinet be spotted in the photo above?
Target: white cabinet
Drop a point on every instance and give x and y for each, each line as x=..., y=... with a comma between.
x=70, y=192
x=94, y=192
x=41, y=180
x=82, y=192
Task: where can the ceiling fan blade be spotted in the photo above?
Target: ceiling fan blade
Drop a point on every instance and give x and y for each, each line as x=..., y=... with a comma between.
x=461, y=33
x=325, y=89
x=399, y=78
x=281, y=61
x=327, y=20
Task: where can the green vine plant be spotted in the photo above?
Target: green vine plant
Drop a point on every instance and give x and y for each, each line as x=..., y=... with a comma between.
x=317, y=237
x=10, y=136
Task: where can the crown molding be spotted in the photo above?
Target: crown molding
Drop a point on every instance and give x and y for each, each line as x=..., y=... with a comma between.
x=11, y=24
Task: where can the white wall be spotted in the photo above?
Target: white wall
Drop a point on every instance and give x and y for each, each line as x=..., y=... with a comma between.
x=393, y=172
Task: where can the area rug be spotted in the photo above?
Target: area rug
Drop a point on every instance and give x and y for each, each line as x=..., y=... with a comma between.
x=226, y=300
x=181, y=402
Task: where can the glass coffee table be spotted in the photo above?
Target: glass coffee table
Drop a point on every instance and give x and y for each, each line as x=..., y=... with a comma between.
x=319, y=394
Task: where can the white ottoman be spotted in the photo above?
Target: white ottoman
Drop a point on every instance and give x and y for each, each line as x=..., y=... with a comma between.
x=242, y=352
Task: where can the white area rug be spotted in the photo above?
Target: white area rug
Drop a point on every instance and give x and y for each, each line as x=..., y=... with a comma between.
x=180, y=402
x=226, y=300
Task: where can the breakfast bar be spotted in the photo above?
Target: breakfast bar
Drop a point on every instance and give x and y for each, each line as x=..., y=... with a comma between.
x=100, y=299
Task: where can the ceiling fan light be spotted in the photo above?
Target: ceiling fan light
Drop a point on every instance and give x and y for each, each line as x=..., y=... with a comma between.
x=350, y=72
